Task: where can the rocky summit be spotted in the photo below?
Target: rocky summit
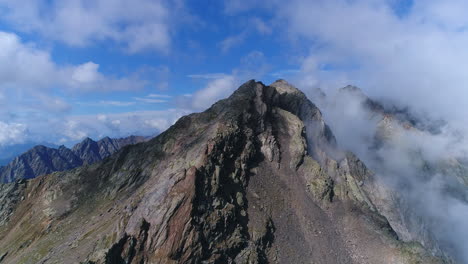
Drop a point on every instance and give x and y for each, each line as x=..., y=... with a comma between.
x=256, y=178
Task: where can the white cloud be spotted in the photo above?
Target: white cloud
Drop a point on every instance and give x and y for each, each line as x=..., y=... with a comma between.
x=37, y=92
x=150, y=100
x=75, y=128
x=51, y=103
x=233, y=7
x=419, y=59
x=213, y=91
x=261, y=26
x=284, y=73
x=159, y=96
x=12, y=133
x=23, y=63
x=116, y=103
x=449, y=14
x=401, y=163
x=74, y=131
x=86, y=73
x=101, y=117
x=253, y=26
x=116, y=122
x=136, y=25
x=148, y=37
x=27, y=67
x=232, y=41
x=208, y=76
x=252, y=66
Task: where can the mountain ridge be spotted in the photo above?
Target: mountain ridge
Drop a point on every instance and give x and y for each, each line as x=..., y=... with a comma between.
x=41, y=160
x=253, y=179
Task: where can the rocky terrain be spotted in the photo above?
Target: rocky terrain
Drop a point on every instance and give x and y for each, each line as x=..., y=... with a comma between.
x=256, y=178
x=417, y=169
x=41, y=160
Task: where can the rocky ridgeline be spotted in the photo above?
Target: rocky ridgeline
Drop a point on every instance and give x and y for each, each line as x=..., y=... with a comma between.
x=42, y=160
x=250, y=180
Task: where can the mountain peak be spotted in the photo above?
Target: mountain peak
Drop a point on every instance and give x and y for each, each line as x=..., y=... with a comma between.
x=39, y=148
x=353, y=89
x=283, y=86
x=251, y=89
x=250, y=180
x=350, y=87
x=88, y=140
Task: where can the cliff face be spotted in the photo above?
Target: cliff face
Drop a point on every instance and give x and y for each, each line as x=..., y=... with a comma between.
x=42, y=160
x=256, y=178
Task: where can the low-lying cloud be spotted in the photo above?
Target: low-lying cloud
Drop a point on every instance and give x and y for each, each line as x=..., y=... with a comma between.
x=75, y=128
x=425, y=170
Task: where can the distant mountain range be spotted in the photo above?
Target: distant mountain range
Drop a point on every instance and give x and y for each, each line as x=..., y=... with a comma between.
x=41, y=159
x=8, y=153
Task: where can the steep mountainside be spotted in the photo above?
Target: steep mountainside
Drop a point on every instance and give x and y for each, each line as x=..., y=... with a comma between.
x=417, y=165
x=256, y=178
x=42, y=160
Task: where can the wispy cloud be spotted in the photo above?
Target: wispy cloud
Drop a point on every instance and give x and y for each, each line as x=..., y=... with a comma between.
x=208, y=75
x=262, y=27
x=285, y=73
x=232, y=41
x=159, y=96
x=116, y=103
x=150, y=100
x=215, y=89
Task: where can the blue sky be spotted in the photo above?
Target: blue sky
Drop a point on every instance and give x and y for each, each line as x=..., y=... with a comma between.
x=78, y=68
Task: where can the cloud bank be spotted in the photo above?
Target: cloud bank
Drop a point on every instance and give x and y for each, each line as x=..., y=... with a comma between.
x=135, y=25
x=30, y=68
x=417, y=58
x=424, y=170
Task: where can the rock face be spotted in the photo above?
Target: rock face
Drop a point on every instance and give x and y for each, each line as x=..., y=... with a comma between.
x=254, y=179
x=42, y=160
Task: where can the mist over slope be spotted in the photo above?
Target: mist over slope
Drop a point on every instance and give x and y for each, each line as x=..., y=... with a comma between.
x=420, y=158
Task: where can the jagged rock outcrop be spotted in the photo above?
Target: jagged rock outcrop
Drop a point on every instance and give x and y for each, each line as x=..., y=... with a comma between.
x=42, y=160
x=253, y=179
